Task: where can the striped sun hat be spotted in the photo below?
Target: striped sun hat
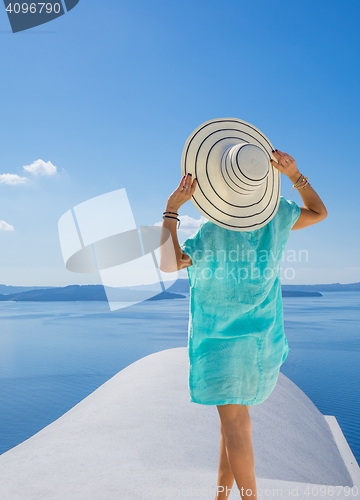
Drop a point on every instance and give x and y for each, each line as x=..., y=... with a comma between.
x=237, y=187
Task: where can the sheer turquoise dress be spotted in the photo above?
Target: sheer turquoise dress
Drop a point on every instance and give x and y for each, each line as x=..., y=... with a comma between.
x=236, y=338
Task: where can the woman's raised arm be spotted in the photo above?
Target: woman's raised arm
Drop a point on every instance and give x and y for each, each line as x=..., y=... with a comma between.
x=314, y=209
x=172, y=258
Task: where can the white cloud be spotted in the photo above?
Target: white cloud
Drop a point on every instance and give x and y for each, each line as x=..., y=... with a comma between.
x=39, y=167
x=4, y=226
x=190, y=225
x=12, y=179
x=187, y=224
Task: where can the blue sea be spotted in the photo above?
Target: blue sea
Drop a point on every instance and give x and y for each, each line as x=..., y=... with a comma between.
x=52, y=355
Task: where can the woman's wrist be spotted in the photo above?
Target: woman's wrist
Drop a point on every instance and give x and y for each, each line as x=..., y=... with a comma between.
x=171, y=213
x=294, y=177
x=171, y=208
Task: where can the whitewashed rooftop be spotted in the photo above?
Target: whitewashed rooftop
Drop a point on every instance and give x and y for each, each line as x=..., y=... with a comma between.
x=138, y=437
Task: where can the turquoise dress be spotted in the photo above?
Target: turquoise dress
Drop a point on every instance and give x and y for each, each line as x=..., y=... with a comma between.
x=236, y=339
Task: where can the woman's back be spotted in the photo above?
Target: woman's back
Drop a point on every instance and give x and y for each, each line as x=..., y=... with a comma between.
x=236, y=338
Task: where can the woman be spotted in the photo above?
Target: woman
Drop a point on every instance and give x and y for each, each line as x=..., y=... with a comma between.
x=236, y=453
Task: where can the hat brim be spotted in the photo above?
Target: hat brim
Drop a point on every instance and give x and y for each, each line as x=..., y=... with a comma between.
x=214, y=197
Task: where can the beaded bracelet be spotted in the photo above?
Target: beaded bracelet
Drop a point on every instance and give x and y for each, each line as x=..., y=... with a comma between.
x=304, y=183
x=300, y=183
x=169, y=217
x=171, y=213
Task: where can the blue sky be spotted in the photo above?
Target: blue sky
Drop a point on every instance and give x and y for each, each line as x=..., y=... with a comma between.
x=109, y=93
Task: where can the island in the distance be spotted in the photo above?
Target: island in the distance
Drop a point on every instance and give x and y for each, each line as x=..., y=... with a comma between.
x=85, y=293
x=142, y=292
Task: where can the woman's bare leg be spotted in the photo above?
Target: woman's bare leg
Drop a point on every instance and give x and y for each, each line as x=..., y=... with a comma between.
x=236, y=426
x=225, y=475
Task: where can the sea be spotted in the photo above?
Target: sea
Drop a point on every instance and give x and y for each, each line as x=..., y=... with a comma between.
x=54, y=354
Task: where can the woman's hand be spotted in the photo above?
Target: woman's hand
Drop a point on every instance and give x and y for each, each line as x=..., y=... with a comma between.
x=285, y=164
x=182, y=193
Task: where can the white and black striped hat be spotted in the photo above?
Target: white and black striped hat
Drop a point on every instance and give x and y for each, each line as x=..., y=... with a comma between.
x=237, y=187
